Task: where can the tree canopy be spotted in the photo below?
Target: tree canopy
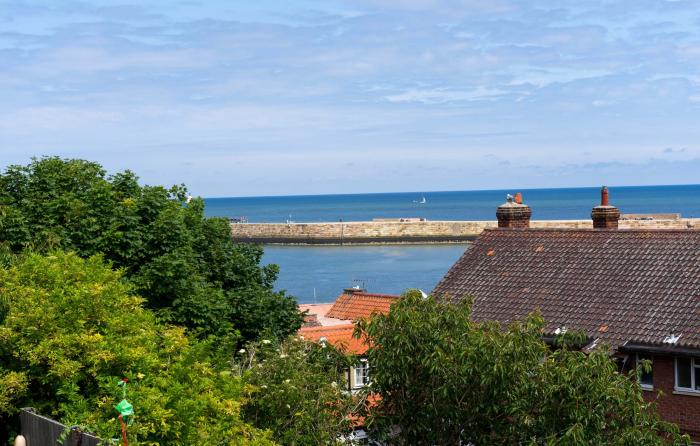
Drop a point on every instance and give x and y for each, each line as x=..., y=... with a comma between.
x=184, y=264
x=73, y=328
x=443, y=379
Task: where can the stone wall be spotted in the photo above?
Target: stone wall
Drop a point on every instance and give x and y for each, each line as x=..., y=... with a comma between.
x=408, y=232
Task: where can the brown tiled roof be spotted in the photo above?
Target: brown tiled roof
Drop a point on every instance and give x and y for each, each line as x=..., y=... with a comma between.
x=616, y=285
x=337, y=335
x=356, y=305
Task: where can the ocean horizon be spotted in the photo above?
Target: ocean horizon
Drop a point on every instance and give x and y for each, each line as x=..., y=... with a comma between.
x=546, y=204
x=313, y=273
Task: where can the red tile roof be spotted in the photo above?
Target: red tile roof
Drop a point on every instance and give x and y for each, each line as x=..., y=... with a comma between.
x=339, y=336
x=320, y=311
x=356, y=305
x=619, y=286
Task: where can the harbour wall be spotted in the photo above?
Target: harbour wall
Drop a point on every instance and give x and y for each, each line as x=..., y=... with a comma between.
x=369, y=232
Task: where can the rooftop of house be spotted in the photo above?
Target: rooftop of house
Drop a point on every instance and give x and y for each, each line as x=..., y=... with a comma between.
x=317, y=315
x=357, y=304
x=619, y=286
x=334, y=322
x=339, y=336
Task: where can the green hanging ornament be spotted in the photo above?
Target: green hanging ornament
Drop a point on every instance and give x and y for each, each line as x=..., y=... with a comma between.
x=125, y=409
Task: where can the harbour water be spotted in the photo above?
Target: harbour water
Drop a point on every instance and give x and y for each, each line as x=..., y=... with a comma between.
x=323, y=271
x=308, y=271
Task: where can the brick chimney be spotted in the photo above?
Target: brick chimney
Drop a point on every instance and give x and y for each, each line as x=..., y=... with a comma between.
x=605, y=216
x=513, y=213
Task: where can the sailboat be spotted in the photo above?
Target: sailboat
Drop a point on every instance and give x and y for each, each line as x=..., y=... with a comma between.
x=422, y=200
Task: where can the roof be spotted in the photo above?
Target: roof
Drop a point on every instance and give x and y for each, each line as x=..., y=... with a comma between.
x=618, y=286
x=358, y=305
x=339, y=336
x=321, y=312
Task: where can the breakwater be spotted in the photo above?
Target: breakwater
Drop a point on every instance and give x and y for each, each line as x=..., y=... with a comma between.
x=370, y=232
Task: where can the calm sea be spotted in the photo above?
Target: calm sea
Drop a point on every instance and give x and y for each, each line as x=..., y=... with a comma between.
x=322, y=272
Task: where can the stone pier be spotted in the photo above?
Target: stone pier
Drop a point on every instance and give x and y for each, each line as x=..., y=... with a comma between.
x=383, y=232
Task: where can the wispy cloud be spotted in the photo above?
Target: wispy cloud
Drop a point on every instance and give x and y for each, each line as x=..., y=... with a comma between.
x=443, y=95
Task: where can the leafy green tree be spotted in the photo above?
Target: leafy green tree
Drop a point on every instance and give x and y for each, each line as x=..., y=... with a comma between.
x=185, y=265
x=297, y=390
x=73, y=328
x=444, y=379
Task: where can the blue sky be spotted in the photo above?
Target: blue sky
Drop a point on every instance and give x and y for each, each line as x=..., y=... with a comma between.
x=310, y=97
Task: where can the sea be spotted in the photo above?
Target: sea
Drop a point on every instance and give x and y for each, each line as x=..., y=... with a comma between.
x=319, y=273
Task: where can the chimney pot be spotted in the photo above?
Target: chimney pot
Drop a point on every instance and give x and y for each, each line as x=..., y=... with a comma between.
x=605, y=216
x=513, y=213
x=604, y=196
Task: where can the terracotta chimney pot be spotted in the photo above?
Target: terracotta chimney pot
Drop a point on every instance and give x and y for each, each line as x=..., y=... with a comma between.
x=604, y=196
x=605, y=216
x=513, y=213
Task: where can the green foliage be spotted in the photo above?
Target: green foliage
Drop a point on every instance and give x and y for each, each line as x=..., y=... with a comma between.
x=444, y=379
x=184, y=264
x=297, y=390
x=74, y=328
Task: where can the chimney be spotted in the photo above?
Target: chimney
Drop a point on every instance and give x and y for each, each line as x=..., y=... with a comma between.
x=605, y=216
x=513, y=213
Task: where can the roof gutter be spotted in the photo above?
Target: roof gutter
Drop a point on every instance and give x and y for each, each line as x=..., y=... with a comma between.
x=659, y=349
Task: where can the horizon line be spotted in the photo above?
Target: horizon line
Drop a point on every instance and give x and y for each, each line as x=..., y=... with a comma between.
x=624, y=186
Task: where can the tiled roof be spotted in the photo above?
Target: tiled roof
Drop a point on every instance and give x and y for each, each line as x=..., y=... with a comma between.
x=321, y=313
x=616, y=285
x=338, y=336
x=357, y=305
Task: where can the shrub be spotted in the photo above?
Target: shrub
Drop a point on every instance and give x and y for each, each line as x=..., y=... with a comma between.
x=74, y=328
x=298, y=391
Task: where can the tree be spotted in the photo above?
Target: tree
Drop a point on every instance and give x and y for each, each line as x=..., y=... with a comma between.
x=185, y=265
x=297, y=391
x=74, y=328
x=443, y=379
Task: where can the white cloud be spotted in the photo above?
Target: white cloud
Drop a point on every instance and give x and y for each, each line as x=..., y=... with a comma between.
x=603, y=103
x=444, y=95
x=542, y=77
x=64, y=119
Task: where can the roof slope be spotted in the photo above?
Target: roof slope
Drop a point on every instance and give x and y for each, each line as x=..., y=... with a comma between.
x=321, y=313
x=357, y=305
x=616, y=285
x=339, y=336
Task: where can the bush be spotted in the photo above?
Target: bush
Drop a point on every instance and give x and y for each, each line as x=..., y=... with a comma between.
x=74, y=328
x=298, y=391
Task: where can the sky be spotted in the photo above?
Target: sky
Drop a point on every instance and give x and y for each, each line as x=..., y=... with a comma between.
x=273, y=97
